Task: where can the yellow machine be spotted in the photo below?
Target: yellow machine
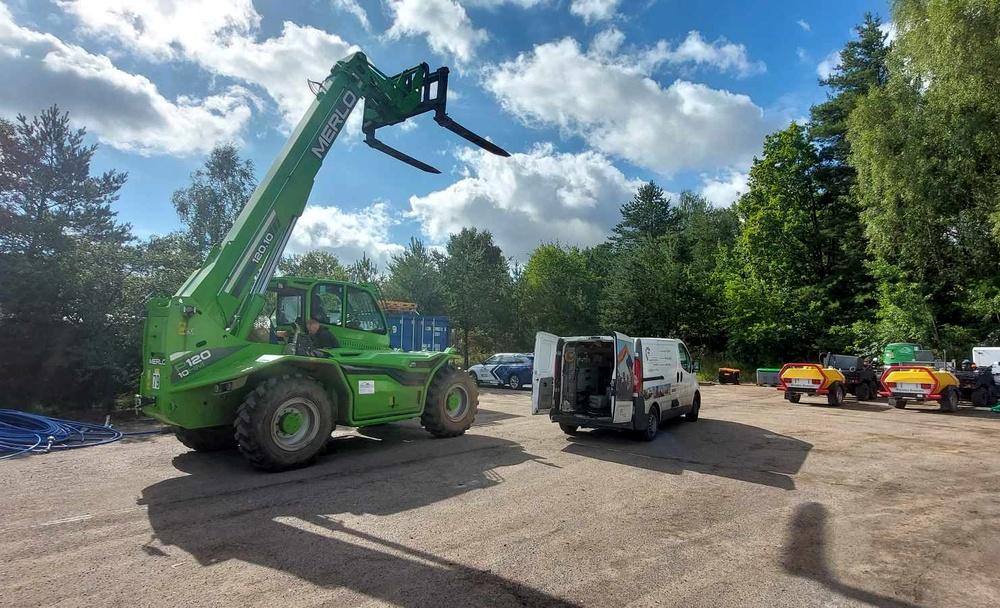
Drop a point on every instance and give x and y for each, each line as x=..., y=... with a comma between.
x=920, y=383
x=797, y=379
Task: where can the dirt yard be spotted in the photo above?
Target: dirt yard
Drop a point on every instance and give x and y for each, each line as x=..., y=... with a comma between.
x=759, y=503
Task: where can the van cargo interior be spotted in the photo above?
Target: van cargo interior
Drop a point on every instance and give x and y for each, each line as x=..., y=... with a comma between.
x=588, y=370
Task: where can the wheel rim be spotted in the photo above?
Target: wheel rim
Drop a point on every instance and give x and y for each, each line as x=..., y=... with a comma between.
x=294, y=424
x=651, y=424
x=456, y=403
x=514, y=382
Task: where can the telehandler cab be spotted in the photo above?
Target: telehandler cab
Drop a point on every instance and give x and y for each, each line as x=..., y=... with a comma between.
x=221, y=373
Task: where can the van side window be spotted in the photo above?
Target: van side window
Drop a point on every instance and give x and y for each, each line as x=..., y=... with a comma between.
x=685, y=357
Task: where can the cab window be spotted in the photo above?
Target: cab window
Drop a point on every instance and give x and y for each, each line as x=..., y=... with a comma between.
x=289, y=308
x=685, y=358
x=327, y=303
x=495, y=359
x=362, y=312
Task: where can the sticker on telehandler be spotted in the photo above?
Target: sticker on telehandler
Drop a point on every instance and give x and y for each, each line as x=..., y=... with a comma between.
x=366, y=387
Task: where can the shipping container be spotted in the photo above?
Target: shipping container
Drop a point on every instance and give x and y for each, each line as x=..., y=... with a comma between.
x=410, y=332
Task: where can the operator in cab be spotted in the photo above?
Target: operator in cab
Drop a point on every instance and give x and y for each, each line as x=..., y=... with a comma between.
x=320, y=336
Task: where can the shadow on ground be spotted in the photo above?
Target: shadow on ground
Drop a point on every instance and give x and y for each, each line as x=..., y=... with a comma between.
x=805, y=556
x=711, y=447
x=220, y=510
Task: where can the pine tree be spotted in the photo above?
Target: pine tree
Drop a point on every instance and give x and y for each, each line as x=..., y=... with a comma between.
x=647, y=216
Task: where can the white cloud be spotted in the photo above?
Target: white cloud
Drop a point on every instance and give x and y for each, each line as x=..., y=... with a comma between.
x=221, y=37
x=594, y=10
x=346, y=234
x=804, y=25
x=723, y=190
x=124, y=110
x=619, y=110
x=529, y=198
x=494, y=4
x=830, y=63
x=444, y=23
x=352, y=7
x=606, y=43
x=694, y=50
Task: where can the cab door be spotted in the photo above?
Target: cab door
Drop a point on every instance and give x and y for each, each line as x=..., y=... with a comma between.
x=624, y=380
x=543, y=376
x=687, y=380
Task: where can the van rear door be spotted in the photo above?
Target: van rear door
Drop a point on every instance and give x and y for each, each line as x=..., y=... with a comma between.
x=623, y=379
x=544, y=372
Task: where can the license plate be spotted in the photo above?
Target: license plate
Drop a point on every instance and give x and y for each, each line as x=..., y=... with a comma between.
x=909, y=387
x=802, y=383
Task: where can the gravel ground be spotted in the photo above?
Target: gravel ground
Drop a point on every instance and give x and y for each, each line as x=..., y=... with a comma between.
x=759, y=503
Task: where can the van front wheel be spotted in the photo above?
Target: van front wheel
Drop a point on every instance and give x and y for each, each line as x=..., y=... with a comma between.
x=692, y=414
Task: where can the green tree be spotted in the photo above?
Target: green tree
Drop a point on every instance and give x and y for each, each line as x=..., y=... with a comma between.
x=415, y=276
x=218, y=192
x=647, y=216
x=63, y=259
x=557, y=292
x=477, y=285
x=364, y=270
x=927, y=156
x=317, y=264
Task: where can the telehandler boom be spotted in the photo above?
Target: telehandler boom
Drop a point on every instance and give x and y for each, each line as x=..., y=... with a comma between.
x=214, y=367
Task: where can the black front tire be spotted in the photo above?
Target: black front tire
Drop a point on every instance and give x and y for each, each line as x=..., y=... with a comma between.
x=442, y=418
x=981, y=397
x=652, y=424
x=793, y=397
x=897, y=403
x=514, y=382
x=949, y=400
x=692, y=414
x=835, y=397
x=212, y=439
x=268, y=447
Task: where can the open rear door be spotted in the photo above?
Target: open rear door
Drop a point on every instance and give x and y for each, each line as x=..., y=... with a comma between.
x=543, y=373
x=624, y=382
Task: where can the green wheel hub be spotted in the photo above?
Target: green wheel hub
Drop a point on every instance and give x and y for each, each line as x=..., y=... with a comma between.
x=456, y=402
x=290, y=423
x=295, y=424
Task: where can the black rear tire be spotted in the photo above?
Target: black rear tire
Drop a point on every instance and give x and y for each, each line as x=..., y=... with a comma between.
x=569, y=429
x=692, y=414
x=514, y=382
x=266, y=432
x=212, y=439
x=949, y=400
x=452, y=403
x=981, y=397
x=835, y=397
x=793, y=397
x=863, y=392
x=652, y=424
x=897, y=403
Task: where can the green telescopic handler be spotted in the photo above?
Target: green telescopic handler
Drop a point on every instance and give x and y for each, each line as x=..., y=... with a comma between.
x=224, y=373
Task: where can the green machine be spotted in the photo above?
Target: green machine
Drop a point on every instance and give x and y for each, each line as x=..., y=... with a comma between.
x=898, y=353
x=225, y=374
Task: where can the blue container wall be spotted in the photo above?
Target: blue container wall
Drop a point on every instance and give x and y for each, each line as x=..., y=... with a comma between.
x=411, y=332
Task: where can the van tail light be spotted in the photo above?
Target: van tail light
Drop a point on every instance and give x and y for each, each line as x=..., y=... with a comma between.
x=637, y=374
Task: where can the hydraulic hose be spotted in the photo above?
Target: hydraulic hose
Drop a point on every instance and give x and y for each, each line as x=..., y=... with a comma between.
x=22, y=433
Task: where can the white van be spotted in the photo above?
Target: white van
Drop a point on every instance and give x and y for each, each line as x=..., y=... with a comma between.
x=614, y=382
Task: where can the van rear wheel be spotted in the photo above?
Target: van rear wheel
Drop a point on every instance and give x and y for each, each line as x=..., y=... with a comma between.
x=652, y=424
x=569, y=429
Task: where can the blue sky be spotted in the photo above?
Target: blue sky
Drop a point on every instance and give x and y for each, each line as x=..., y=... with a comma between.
x=590, y=96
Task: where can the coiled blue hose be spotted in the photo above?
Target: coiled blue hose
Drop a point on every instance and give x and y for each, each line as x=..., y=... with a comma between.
x=21, y=433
